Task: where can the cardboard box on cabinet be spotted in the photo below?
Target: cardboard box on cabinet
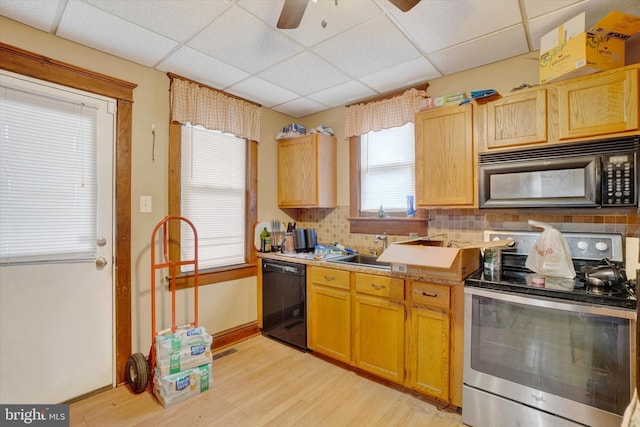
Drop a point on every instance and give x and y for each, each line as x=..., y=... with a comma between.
x=570, y=51
x=432, y=258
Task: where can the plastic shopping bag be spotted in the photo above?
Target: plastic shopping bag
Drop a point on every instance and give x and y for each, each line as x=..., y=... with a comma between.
x=550, y=254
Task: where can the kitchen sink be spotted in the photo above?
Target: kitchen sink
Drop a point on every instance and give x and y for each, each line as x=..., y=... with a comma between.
x=364, y=260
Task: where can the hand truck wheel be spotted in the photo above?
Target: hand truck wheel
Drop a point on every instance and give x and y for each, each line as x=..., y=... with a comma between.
x=137, y=372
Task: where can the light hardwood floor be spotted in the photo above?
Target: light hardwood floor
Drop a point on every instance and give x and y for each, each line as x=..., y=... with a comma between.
x=265, y=383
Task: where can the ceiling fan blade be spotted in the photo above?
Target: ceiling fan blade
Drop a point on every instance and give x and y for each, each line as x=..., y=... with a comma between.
x=291, y=14
x=404, y=5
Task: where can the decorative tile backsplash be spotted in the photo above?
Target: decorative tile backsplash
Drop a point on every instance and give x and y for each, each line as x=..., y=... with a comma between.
x=332, y=225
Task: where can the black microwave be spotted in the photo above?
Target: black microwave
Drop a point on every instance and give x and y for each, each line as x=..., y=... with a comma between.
x=593, y=174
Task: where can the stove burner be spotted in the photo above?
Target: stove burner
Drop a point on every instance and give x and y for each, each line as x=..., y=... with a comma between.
x=605, y=291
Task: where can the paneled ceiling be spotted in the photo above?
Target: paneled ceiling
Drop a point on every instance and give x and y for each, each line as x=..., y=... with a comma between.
x=367, y=47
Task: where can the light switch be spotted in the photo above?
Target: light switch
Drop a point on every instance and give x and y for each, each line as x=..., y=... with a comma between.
x=145, y=204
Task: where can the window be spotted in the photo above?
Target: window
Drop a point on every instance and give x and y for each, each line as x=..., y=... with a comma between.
x=212, y=189
x=387, y=170
x=48, y=172
x=384, y=171
x=212, y=182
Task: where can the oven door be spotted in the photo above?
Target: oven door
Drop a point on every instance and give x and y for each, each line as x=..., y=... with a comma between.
x=566, y=359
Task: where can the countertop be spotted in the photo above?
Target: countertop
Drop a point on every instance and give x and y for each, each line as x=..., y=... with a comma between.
x=351, y=267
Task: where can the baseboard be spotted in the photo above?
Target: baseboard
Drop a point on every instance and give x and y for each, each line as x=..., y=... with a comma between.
x=231, y=336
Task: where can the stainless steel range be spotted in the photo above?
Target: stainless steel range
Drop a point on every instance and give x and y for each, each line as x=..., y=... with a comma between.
x=552, y=352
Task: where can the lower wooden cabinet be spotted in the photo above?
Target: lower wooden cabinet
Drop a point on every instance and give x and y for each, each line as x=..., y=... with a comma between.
x=409, y=333
x=378, y=326
x=329, y=323
x=431, y=360
x=429, y=355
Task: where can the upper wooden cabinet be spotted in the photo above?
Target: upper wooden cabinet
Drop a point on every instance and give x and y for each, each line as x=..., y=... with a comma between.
x=445, y=157
x=600, y=104
x=307, y=169
x=519, y=119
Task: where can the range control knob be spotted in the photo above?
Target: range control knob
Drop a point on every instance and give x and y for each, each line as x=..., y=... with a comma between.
x=582, y=245
x=602, y=246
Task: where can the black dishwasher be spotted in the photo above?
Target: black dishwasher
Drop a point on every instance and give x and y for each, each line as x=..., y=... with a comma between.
x=284, y=306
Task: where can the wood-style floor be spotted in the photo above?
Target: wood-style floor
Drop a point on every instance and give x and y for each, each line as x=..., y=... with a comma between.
x=265, y=383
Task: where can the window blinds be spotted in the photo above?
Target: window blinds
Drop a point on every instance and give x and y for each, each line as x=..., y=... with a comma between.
x=213, y=180
x=387, y=169
x=48, y=184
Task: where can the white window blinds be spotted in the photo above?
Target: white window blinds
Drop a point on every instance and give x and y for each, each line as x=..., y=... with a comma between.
x=213, y=177
x=387, y=169
x=48, y=186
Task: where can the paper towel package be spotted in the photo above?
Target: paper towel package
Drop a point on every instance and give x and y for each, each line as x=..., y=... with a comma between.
x=183, y=349
x=174, y=388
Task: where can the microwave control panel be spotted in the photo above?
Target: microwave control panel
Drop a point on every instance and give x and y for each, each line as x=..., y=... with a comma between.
x=619, y=179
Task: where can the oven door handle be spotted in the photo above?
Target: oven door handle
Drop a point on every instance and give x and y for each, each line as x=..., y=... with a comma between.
x=538, y=301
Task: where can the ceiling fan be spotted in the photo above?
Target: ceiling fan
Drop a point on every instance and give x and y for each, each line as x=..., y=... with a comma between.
x=293, y=10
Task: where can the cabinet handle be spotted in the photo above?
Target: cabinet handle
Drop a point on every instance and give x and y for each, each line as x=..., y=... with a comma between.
x=377, y=287
x=329, y=278
x=424, y=294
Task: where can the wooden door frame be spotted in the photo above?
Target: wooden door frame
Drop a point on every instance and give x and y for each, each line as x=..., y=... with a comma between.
x=37, y=66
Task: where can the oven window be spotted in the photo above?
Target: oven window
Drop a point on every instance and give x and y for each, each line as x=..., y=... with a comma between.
x=581, y=357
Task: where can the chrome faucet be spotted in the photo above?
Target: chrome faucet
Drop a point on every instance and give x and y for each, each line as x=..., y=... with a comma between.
x=382, y=238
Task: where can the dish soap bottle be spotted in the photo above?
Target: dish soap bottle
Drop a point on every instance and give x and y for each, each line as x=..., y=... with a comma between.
x=265, y=241
x=381, y=212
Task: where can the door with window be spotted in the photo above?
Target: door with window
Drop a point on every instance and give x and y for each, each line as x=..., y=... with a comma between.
x=56, y=241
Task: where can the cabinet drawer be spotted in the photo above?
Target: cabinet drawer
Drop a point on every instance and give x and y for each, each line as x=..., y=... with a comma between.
x=381, y=286
x=330, y=277
x=430, y=294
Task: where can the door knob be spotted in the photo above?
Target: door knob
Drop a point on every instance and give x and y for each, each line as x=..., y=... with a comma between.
x=101, y=241
x=101, y=262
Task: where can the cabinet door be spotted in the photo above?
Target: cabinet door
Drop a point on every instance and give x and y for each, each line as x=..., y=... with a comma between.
x=379, y=337
x=517, y=119
x=297, y=163
x=429, y=339
x=330, y=322
x=445, y=157
x=601, y=104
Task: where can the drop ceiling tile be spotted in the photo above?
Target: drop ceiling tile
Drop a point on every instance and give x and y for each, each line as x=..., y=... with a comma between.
x=261, y=91
x=437, y=24
x=40, y=14
x=343, y=94
x=267, y=11
x=536, y=8
x=402, y=75
x=95, y=28
x=304, y=74
x=241, y=40
x=368, y=49
x=202, y=68
x=176, y=19
x=485, y=50
x=300, y=107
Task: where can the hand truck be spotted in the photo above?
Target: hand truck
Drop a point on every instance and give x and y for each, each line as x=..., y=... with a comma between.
x=140, y=370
